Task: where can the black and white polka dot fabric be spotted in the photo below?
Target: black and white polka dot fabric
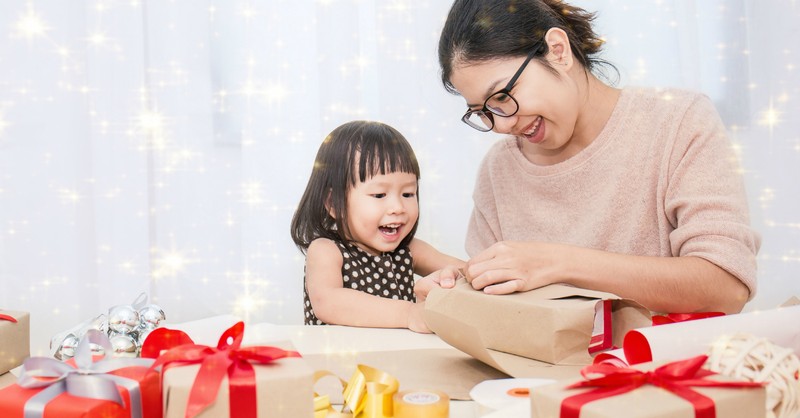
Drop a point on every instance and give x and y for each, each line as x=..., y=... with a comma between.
x=389, y=275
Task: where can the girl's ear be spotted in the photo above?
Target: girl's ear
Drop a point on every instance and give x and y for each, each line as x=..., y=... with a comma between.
x=559, y=51
x=329, y=206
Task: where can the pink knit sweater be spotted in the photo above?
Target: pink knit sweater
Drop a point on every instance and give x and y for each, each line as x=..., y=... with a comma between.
x=661, y=179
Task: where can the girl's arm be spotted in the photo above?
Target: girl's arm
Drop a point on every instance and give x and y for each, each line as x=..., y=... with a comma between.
x=428, y=259
x=336, y=305
x=438, y=269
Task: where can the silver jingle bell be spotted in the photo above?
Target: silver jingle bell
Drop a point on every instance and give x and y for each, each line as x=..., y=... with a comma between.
x=123, y=345
x=122, y=319
x=143, y=333
x=66, y=350
x=151, y=316
x=133, y=334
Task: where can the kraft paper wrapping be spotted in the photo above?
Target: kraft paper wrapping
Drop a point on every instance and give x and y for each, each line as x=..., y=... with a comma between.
x=284, y=390
x=15, y=340
x=540, y=333
x=7, y=379
x=649, y=401
x=446, y=369
x=686, y=339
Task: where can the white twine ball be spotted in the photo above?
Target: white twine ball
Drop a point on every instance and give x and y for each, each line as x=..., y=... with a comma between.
x=757, y=359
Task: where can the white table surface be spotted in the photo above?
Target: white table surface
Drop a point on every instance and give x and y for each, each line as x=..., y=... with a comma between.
x=338, y=339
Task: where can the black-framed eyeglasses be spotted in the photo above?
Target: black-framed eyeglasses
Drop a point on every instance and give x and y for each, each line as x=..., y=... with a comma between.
x=500, y=103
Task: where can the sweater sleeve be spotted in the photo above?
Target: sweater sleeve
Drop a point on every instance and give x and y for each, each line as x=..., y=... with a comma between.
x=705, y=200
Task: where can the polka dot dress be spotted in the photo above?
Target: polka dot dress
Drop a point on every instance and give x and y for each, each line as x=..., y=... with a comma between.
x=389, y=275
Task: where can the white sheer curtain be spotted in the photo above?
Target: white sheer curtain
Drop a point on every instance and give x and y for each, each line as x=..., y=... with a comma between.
x=161, y=146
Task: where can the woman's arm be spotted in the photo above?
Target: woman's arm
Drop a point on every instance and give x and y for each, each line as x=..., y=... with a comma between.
x=334, y=304
x=662, y=284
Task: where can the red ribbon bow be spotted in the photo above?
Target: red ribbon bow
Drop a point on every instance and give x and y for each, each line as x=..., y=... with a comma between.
x=227, y=358
x=677, y=377
x=5, y=317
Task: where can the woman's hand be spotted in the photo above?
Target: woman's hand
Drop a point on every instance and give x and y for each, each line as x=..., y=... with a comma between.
x=444, y=278
x=508, y=266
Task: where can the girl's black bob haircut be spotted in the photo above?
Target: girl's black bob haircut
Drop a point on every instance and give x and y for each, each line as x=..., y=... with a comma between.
x=351, y=153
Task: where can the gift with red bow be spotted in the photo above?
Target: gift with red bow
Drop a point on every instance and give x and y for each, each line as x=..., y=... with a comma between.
x=89, y=386
x=677, y=389
x=230, y=380
x=14, y=339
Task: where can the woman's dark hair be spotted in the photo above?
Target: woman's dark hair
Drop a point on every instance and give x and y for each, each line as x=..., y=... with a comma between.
x=482, y=30
x=351, y=153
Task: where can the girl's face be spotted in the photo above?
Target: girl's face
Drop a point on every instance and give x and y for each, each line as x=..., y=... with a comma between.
x=382, y=211
x=548, y=104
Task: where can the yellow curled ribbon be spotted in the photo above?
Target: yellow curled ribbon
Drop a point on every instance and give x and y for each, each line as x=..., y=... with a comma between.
x=368, y=394
x=322, y=403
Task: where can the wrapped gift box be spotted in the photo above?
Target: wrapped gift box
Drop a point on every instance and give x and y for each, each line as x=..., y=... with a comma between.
x=284, y=390
x=555, y=324
x=14, y=339
x=271, y=381
x=15, y=399
x=650, y=401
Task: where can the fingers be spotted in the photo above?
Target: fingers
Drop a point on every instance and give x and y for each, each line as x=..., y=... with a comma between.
x=499, y=281
x=448, y=276
x=504, y=288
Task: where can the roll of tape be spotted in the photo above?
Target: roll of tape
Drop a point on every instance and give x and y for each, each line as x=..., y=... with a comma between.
x=421, y=404
x=494, y=395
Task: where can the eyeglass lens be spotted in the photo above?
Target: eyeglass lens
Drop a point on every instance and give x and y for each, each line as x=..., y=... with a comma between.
x=500, y=104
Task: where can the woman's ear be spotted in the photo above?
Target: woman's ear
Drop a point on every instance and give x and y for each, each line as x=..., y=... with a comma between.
x=559, y=51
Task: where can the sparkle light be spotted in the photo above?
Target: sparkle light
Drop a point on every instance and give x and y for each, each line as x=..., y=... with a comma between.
x=97, y=38
x=251, y=193
x=275, y=93
x=30, y=25
x=770, y=117
x=151, y=123
x=169, y=264
x=69, y=195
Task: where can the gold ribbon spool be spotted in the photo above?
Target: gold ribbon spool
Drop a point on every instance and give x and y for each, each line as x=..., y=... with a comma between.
x=421, y=404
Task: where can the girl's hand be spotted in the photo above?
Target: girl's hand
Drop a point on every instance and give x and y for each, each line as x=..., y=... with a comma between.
x=416, y=322
x=444, y=278
x=508, y=267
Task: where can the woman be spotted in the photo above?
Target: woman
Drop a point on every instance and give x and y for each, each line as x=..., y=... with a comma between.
x=635, y=191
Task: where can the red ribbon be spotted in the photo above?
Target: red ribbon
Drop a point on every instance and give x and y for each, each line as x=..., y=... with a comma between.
x=8, y=318
x=677, y=377
x=227, y=358
x=672, y=318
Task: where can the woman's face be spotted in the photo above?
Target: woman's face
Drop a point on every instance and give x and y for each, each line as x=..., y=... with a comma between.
x=548, y=103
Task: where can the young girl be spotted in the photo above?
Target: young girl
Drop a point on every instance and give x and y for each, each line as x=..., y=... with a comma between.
x=356, y=223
